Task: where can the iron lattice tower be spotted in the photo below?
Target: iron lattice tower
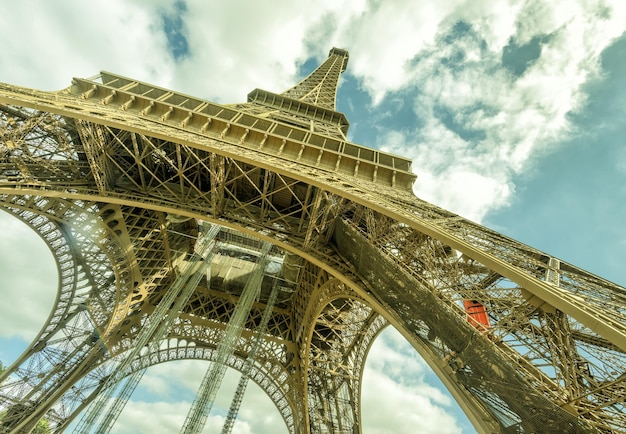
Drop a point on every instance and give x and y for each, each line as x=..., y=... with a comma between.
x=118, y=177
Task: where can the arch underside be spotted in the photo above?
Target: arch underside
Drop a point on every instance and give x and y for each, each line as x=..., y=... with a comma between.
x=71, y=334
x=341, y=334
x=536, y=364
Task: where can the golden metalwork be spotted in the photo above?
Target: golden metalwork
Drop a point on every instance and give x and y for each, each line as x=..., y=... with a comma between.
x=115, y=175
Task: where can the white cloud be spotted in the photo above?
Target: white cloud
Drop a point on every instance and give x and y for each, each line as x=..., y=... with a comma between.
x=28, y=287
x=52, y=42
x=236, y=52
x=176, y=381
x=500, y=122
x=141, y=417
x=396, y=396
x=157, y=379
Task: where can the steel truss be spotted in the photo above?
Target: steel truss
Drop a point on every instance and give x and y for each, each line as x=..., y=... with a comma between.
x=115, y=173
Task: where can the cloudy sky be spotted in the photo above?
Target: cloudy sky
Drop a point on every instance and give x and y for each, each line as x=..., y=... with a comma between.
x=514, y=113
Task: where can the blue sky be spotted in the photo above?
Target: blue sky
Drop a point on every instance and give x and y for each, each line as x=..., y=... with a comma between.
x=514, y=116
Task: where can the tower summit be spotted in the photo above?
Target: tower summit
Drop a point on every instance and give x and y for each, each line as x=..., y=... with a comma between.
x=257, y=237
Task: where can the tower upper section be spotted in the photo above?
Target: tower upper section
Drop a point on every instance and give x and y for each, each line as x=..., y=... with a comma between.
x=320, y=87
x=310, y=104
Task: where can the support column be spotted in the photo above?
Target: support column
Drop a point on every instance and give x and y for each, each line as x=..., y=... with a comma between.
x=201, y=407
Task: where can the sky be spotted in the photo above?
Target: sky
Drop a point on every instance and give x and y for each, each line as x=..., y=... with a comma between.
x=513, y=112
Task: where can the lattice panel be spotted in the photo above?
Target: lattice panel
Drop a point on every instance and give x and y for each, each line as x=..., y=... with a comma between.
x=537, y=341
x=320, y=88
x=122, y=172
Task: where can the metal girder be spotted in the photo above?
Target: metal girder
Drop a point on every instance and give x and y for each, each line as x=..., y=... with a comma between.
x=520, y=336
x=341, y=219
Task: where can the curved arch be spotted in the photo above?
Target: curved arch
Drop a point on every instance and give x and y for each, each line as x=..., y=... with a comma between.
x=259, y=374
x=263, y=376
x=336, y=364
x=76, y=229
x=85, y=298
x=340, y=327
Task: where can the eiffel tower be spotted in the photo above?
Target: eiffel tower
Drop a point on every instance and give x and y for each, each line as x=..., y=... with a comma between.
x=256, y=236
